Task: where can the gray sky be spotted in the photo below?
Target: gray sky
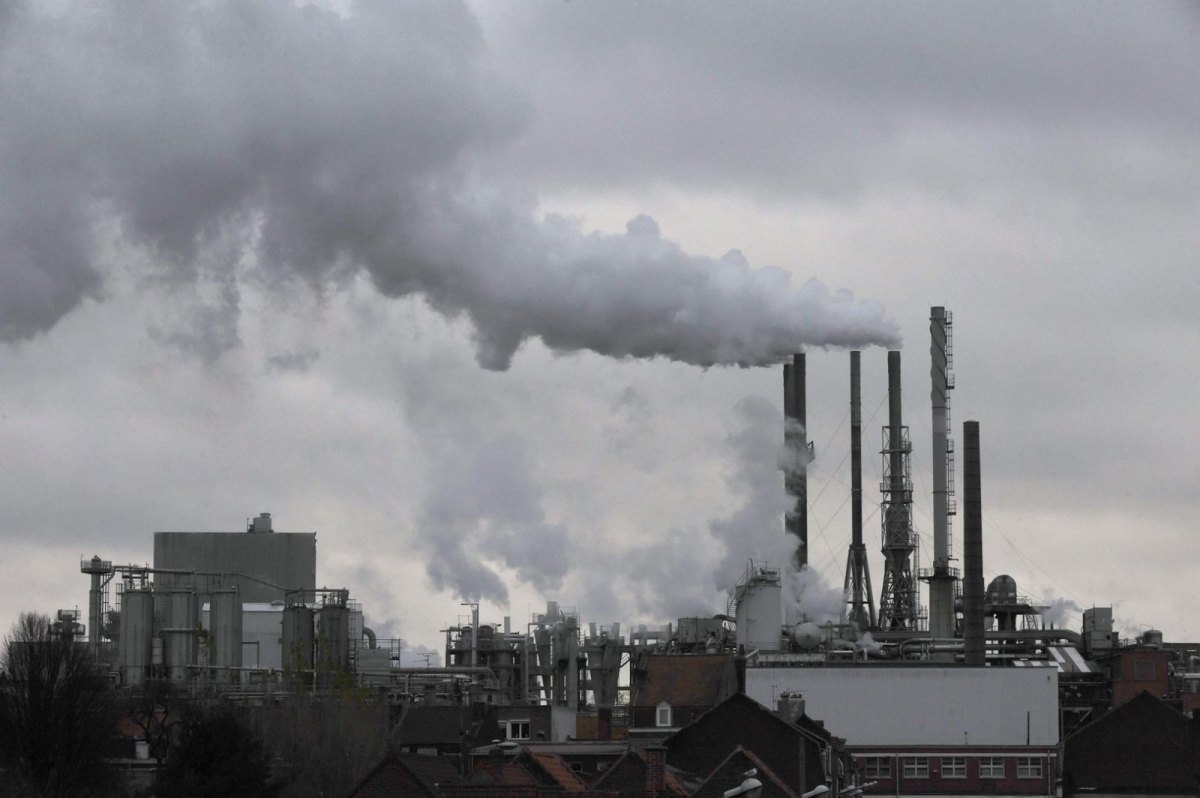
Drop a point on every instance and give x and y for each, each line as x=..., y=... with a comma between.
x=490, y=295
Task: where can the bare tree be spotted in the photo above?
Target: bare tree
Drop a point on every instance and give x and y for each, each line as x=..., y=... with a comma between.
x=322, y=746
x=57, y=717
x=157, y=708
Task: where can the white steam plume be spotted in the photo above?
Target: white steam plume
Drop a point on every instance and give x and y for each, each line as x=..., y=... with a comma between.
x=325, y=144
x=490, y=509
x=683, y=574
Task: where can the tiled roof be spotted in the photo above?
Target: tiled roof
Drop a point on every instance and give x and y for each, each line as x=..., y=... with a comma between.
x=430, y=770
x=730, y=773
x=687, y=680
x=557, y=769
x=676, y=781
x=392, y=776
x=506, y=773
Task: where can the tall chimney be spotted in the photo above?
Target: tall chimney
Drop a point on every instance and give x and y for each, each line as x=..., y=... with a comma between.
x=941, y=578
x=795, y=411
x=860, y=601
x=973, y=595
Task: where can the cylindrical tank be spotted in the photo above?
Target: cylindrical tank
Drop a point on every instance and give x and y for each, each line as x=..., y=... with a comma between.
x=225, y=633
x=333, y=638
x=486, y=637
x=760, y=611
x=297, y=638
x=137, y=630
x=1002, y=590
x=180, y=634
x=1152, y=638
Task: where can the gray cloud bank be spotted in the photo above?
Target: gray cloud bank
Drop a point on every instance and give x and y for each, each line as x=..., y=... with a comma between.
x=314, y=145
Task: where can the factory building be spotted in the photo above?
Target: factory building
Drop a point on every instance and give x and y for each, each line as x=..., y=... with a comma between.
x=262, y=565
x=971, y=693
x=239, y=611
x=931, y=730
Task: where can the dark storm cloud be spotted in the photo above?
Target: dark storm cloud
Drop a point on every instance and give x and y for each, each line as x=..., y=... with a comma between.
x=325, y=144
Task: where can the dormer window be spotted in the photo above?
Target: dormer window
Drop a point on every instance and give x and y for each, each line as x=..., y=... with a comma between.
x=662, y=717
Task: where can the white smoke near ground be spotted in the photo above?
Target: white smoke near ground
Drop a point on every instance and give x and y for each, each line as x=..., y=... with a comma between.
x=809, y=598
x=292, y=145
x=754, y=531
x=683, y=574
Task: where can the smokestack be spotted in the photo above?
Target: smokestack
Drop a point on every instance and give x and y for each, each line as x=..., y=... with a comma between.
x=858, y=574
x=855, y=449
x=973, y=595
x=898, y=600
x=941, y=580
x=795, y=410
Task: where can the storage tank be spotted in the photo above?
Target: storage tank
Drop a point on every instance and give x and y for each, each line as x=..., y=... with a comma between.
x=225, y=633
x=759, y=610
x=297, y=638
x=180, y=634
x=333, y=638
x=137, y=630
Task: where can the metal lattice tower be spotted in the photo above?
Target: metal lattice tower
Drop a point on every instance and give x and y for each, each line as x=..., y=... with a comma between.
x=898, y=603
x=860, y=600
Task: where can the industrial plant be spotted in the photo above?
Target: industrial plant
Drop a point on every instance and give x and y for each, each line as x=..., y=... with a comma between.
x=934, y=684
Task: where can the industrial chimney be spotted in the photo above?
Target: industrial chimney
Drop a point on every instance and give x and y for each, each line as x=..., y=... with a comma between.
x=800, y=453
x=860, y=599
x=973, y=591
x=898, y=605
x=941, y=577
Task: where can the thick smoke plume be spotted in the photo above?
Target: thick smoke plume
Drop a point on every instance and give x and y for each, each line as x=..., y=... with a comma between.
x=490, y=509
x=314, y=146
x=689, y=572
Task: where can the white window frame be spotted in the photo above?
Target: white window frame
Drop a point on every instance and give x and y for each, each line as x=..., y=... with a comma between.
x=877, y=767
x=1029, y=767
x=954, y=767
x=663, y=715
x=988, y=765
x=915, y=767
x=513, y=729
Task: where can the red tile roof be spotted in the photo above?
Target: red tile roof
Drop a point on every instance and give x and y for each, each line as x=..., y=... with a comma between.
x=558, y=770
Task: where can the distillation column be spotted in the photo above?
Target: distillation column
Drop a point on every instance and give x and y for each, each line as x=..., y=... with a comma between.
x=898, y=605
x=799, y=451
x=860, y=599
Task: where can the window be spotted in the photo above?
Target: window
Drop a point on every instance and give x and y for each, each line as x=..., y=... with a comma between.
x=518, y=730
x=876, y=767
x=663, y=716
x=1029, y=767
x=991, y=767
x=916, y=767
x=954, y=767
x=1144, y=671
